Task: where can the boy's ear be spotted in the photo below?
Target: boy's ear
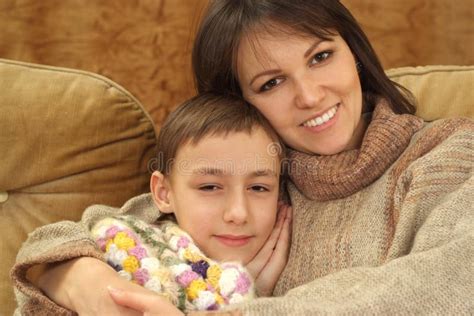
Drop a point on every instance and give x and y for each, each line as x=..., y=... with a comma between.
x=160, y=191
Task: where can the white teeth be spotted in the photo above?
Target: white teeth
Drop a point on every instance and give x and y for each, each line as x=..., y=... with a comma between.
x=321, y=119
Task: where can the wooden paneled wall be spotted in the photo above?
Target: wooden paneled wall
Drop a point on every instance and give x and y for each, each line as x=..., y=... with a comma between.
x=145, y=45
x=418, y=32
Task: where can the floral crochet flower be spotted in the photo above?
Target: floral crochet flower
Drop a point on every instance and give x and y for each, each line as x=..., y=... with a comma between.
x=165, y=260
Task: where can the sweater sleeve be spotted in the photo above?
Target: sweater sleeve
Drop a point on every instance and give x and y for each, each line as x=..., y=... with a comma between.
x=61, y=241
x=433, y=274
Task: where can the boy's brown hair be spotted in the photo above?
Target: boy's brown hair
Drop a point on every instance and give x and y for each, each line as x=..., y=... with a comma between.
x=205, y=115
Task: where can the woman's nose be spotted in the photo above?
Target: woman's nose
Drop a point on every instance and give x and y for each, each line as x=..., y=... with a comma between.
x=236, y=210
x=308, y=93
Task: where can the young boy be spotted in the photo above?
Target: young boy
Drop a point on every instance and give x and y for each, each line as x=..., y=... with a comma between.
x=217, y=186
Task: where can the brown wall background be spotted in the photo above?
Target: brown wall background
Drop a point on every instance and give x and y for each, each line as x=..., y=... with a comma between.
x=145, y=45
x=418, y=32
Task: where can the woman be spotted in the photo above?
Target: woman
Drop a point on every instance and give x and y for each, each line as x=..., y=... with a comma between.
x=382, y=201
x=379, y=198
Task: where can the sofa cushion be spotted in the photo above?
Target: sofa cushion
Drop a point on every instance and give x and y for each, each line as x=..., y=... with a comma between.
x=69, y=139
x=440, y=91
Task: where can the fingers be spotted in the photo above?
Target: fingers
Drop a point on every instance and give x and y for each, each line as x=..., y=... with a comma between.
x=280, y=233
x=281, y=209
x=289, y=213
x=277, y=256
x=283, y=242
x=265, y=254
x=147, y=302
x=282, y=203
x=139, y=302
x=275, y=235
x=282, y=213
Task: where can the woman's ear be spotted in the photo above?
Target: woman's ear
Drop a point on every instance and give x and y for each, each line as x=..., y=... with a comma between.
x=160, y=190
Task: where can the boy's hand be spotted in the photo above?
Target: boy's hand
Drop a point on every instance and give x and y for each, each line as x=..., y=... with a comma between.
x=270, y=261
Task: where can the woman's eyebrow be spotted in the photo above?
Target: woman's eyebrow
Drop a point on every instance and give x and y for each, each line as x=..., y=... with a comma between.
x=264, y=73
x=276, y=71
x=313, y=47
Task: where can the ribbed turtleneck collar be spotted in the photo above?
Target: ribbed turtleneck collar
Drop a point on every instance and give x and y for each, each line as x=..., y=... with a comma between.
x=325, y=178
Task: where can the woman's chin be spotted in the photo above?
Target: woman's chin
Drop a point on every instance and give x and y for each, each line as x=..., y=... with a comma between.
x=325, y=149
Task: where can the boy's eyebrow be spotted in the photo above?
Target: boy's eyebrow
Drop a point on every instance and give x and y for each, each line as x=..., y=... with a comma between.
x=264, y=172
x=219, y=172
x=208, y=171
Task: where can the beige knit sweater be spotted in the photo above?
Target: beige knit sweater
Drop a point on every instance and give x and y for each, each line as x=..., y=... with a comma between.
x=386, y=229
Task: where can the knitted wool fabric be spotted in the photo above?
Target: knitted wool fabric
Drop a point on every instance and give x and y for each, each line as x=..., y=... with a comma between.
x=165, y=259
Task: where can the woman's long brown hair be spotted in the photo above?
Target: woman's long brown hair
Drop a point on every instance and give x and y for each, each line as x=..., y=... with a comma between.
x=226, y=21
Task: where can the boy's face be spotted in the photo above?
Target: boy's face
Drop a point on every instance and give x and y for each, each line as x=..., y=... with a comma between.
x=224, y=192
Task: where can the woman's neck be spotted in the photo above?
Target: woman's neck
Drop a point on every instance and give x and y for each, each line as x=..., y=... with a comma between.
x=359, y=132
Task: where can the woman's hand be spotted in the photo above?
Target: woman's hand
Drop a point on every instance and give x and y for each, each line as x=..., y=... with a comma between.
x=270, y=261
x=81, y=285
x=148, y=304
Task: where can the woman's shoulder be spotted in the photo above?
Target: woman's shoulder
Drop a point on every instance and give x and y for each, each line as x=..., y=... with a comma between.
x=449, y=125
x=439, y=142
x=442, y=131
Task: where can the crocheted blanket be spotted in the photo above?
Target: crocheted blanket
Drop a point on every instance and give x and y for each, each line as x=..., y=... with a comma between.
x=164, y=259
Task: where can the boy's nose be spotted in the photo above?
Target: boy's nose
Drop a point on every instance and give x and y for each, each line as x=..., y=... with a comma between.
x=236, y=210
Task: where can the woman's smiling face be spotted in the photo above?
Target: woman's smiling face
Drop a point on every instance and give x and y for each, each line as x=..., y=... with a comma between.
x=308, y=88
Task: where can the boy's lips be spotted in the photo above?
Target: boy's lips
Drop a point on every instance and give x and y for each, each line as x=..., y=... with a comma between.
x=233, y=240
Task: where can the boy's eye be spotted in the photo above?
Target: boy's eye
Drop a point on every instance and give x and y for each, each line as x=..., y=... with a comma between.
x=259, y=188
x=270, y=84
x=320, y=57
x=209, y=187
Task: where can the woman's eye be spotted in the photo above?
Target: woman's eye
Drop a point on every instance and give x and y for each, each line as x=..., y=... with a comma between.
x=209, y=188
x=320, y=57
x=270, y=84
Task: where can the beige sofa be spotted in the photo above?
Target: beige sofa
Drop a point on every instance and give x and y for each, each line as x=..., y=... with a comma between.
x=71, y=138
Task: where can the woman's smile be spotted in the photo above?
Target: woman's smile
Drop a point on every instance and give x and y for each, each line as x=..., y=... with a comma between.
x=322, y=121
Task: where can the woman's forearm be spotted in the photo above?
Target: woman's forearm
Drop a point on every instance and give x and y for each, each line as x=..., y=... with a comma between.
x=58, y=280
x=81, y=285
